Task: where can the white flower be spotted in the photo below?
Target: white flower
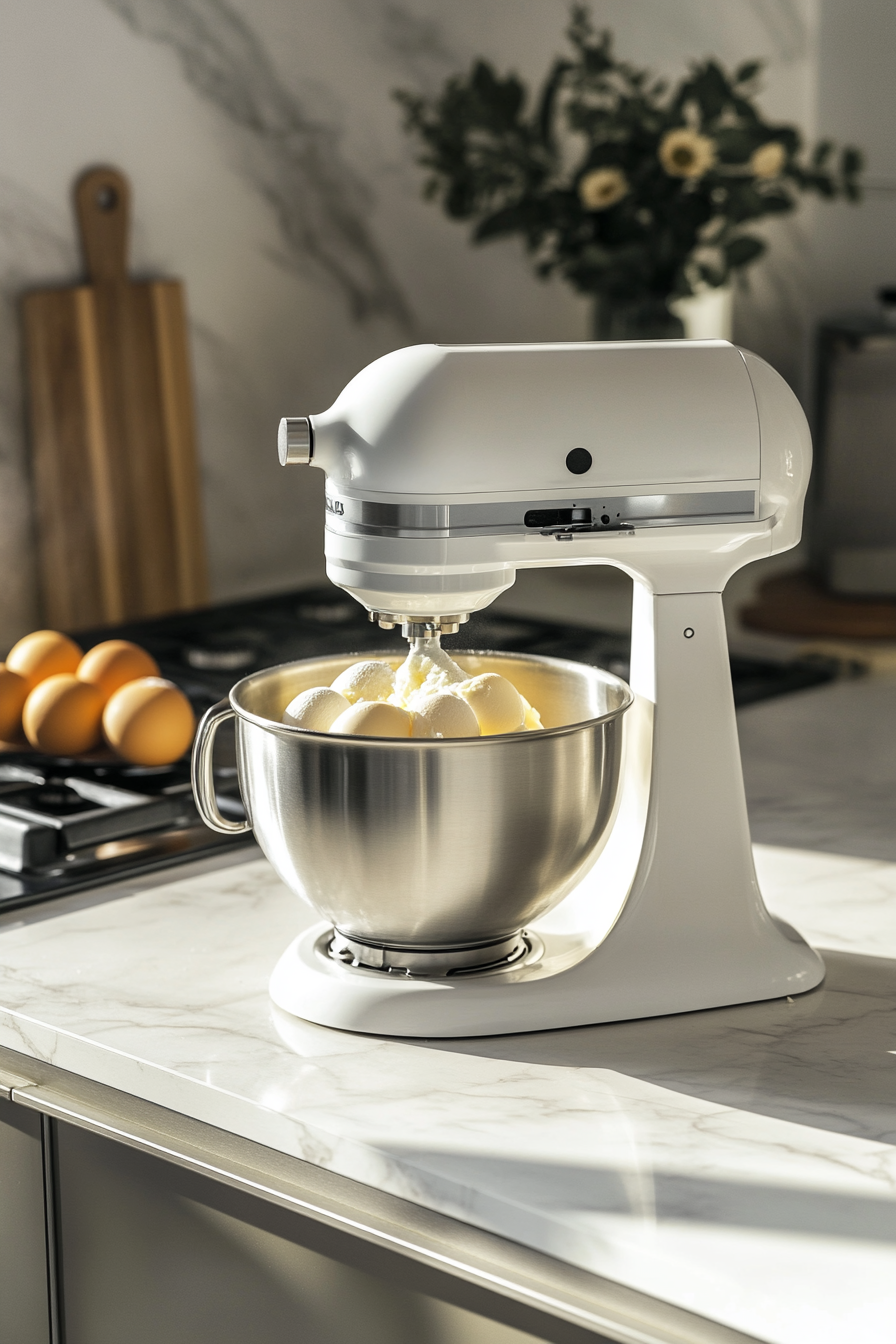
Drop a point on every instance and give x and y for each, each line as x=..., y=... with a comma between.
x=686, y=153
x=602, y=187
x=768, y=160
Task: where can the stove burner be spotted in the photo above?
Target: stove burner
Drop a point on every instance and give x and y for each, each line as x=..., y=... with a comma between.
x=67, y=824
x=485, y=957
x=47, y=818
x=220, y=660
x=329, y=613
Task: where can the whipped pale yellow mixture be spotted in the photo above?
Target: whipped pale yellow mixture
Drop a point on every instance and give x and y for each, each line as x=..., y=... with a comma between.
x=427, y=696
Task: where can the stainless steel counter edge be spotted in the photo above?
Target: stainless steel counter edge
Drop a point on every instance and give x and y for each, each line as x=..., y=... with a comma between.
x=378, y=1232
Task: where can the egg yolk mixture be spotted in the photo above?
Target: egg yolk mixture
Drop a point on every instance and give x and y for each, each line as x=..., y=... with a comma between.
x=427, y=696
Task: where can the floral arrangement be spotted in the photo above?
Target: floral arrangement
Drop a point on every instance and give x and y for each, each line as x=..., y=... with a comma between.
x=632, y=191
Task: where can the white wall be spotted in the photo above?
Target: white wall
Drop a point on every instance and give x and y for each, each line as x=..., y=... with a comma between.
x=269, y=171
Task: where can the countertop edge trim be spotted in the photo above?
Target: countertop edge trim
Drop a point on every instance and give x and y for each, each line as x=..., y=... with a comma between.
x=546, y=1286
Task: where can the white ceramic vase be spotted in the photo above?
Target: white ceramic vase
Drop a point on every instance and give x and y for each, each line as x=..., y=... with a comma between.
x=708, y=315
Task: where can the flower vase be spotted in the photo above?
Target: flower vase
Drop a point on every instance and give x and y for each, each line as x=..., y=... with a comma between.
x=644, y=319
x=707, y=315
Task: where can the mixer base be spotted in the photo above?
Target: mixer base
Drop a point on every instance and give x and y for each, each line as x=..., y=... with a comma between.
x=559, y=983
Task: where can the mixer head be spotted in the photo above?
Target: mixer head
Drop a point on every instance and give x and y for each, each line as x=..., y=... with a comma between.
x=450, y=467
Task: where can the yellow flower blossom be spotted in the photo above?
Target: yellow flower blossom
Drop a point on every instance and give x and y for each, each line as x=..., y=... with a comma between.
x=768, y=160
x=602, y=187
x=686, y=153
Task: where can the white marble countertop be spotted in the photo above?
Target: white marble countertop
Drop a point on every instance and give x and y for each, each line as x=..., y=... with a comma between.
x=820, y=768
x=738, y=1163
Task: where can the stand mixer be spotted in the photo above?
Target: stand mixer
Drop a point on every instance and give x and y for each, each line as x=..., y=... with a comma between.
x=451, y=467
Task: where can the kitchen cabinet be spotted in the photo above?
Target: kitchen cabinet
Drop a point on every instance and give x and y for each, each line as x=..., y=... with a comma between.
x=151, y=1252
x=24, y=1292
x=171, y=1230
x=101, y=1242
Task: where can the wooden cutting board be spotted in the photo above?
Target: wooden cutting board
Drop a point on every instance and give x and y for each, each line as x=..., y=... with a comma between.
x=113, y=439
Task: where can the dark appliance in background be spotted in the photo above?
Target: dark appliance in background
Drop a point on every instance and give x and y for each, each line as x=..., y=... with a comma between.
x=66, y=825
x=853, y=517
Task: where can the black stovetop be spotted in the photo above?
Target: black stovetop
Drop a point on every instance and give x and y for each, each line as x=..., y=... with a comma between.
x=66, y=825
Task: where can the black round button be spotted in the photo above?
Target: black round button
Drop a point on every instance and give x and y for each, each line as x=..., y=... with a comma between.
x=579, y=461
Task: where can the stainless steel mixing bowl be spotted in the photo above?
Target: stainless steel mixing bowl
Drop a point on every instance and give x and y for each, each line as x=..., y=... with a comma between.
x=426, y=854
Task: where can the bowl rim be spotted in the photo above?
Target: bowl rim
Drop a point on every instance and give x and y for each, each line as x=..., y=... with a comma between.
x=428, y=743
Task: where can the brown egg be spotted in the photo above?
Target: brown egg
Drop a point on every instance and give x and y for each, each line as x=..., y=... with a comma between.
x=42, y=654
x=13, y=694
x=114, y=663
x=149, y=721
x=62, y=716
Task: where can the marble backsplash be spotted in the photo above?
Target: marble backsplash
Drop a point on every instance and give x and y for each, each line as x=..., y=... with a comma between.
x=271, y=174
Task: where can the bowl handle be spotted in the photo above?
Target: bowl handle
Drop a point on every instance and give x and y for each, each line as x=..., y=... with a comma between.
x=203, y=776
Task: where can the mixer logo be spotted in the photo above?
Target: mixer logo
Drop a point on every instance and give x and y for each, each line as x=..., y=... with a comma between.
x=335, y=506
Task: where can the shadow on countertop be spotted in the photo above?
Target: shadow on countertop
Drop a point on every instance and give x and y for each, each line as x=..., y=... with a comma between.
x=823, y=1059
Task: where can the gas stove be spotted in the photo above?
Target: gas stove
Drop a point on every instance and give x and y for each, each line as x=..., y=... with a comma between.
x=66, y=825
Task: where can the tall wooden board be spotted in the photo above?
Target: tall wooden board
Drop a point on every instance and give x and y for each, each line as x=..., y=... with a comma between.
x=115, y=469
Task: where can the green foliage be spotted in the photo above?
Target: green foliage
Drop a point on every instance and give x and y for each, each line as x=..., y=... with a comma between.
x=514, y=163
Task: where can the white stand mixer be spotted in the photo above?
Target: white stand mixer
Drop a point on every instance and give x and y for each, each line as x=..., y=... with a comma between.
x=449, y=468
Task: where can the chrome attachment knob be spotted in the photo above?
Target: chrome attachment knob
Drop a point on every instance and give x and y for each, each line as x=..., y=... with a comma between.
x=419, y=627
x=413, y=627
x=295, y=441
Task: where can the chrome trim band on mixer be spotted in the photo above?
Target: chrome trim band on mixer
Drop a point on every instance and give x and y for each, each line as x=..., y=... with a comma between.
x=599, y=514
x=415, y=627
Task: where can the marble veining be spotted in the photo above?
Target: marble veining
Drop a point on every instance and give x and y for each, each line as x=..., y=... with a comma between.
x=627, y=1150
x=294, y=162
x=271, y=174
x=419, y=42
x=821, y=1059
